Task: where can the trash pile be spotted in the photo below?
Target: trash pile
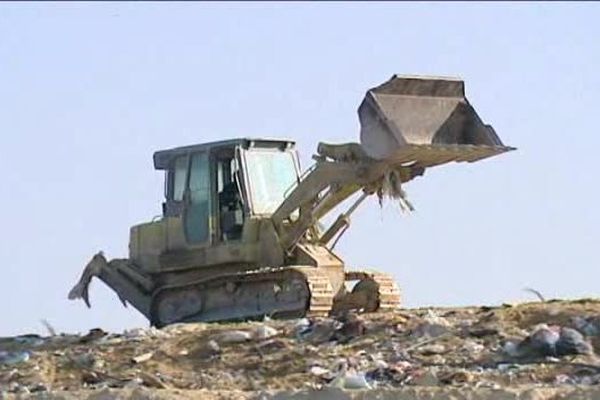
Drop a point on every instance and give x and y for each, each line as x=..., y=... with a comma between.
x=544, y=344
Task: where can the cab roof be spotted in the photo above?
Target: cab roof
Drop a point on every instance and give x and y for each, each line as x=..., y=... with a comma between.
x=162, y=158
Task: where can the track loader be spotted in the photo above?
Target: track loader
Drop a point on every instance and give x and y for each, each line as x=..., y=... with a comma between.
x=240, y=234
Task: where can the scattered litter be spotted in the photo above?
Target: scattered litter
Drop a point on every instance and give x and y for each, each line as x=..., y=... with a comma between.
x=15, y=387
x=144, y=333
x=30, y=340
x=142, y=358
x=350, y=380
x=457, y=377
x=549, y=341
x=271, y=345
x=39, y=387
x=432, y=326
x=483, y=332
x=90, y=378
x=352, y=327
x=93, y=335
x=234, y=337
x=319, y=371
x=263, y=332
x=540, y=343
x=572, y=342
x=589, y=326
x=302, y=323
x=432, y=349
x=426, y=377
x=86, y=360
x=562, y=379
x=209, y=350
x=320, y=331
x=13, y=357
x=152, y=381
x=472, y=347
x=134, y=383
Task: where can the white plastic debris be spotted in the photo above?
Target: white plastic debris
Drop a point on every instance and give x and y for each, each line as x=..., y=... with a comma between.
x=234, y=337
x=318, y=371
x=143, y=333
x=300, y=327
x=432, y=326
x=142, y=357
x=302, y=323
x=433, y=318
x=351, y=380
x=263, y=332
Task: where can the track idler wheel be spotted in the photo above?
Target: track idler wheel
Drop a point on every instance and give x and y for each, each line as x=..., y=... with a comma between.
x=373, y=292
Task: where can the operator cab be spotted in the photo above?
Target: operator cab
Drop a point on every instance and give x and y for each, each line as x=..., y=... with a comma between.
x=214, y=187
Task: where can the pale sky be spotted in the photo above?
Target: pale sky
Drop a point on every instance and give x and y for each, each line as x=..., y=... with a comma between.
x=89, y=91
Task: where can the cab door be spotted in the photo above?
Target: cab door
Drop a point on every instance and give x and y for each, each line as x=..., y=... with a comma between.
x=197, y=209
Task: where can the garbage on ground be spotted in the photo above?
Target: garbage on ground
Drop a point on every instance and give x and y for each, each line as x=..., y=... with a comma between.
x=86, y=360
x=209, y=350
x=520, y=346
x=262, y=332
x=271, y=345
x=142, y=358
x=152, y=381
x=572, y=342
x=319, y=371
x=30, y=340
x=234, y=337
x=93, y=334
x=350, y=380
x=137, y=334
x=431, y=349
x=319, y=331
x=432, y=326
x=351, y=327
x=425, y=377
x=549, y=341
x=13, y=357
x=589, y=326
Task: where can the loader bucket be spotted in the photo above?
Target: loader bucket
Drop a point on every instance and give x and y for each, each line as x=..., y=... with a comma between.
x=424, y=120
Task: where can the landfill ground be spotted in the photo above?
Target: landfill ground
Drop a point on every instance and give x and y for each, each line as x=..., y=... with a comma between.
x=538, y=350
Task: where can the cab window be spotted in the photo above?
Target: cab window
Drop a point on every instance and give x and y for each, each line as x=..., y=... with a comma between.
x=197, y=212
x=179, y=177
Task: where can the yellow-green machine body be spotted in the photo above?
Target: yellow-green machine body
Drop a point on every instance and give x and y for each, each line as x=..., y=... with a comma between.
x=239, y=236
